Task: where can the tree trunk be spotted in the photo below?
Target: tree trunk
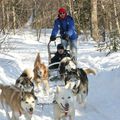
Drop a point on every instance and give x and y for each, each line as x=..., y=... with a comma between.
x=116, y=16
x=14, y=19
x=8, y=18
x=71, y=7
x=3, y=17
x=94, y=20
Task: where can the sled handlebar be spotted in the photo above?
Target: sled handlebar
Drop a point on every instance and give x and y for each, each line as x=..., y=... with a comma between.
x=53, y=41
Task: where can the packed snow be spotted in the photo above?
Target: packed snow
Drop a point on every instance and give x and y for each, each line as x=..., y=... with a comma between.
x=103, y=101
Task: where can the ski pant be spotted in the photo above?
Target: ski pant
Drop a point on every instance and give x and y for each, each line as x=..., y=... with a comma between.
x=72, y=46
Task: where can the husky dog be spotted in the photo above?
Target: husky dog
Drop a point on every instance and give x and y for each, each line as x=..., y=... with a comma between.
x=66, y=65
x=40, y=73
x=21, y=103
x=64, y=104
x=80, y=88
x=24, y=82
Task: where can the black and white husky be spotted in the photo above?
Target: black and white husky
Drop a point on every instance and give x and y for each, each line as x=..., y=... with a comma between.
x=80, y=85
x=69, y=72
x=24, y=82
x=66, y=66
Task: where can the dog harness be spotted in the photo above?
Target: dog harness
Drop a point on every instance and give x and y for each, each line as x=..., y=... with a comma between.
x=66, y=112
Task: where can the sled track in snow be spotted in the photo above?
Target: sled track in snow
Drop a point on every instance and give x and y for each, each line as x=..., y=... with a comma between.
x=105, y=117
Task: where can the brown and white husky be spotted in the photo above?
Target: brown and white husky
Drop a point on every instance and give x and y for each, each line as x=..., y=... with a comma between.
x=40, y=73
x=20, y=103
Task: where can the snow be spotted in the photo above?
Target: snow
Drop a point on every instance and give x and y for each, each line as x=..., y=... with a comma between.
x=103, y=101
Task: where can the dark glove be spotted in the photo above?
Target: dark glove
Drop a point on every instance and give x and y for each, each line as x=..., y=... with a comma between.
x=65, y=37
x=52, y=38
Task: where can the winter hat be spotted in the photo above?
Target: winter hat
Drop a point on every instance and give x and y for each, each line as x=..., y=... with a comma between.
x=60, y=46
x=62, y=10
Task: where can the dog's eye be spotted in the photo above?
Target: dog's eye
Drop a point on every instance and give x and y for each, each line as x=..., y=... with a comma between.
x=33, y=101
x=32, y=84
x=69, y=97
x=26, y=102
x=84, y=91
x=22, y=99
x=17, y=82
x=63, y=98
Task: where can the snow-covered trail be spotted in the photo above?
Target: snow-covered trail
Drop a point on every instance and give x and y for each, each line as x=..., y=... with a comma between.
x=101, y=97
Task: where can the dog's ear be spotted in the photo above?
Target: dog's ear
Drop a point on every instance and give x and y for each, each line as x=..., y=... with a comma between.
x=78, y=72
x=17, y=81
x=38, y=59
x=45, y=75
x=36, y=64
x=24, y=74
x=58, y=89
x=35, y=97
x=67, y=62
x=72, y=58
x=32, y=92
x=77, y=84
x=68, y=85
x=22, y=95
x=30, y=79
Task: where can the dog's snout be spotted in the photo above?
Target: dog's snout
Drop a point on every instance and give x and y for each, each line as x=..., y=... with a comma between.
x=66, y=105
x=31, y=109
x=39, y=74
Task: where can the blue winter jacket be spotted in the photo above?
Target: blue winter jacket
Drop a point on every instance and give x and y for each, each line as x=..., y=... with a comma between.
x=66, y=26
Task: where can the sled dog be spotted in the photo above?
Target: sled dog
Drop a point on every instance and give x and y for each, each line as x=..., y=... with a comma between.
x=80, y=87
x=40, y=73
x=66, y=65
x=64, y=104
x=25, y=81
x=21, y=103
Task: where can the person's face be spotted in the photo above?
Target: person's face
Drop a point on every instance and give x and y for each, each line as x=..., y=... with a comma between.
x=60, y=51
x=62, y=15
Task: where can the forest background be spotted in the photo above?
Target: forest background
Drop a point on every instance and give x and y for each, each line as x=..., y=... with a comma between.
x=98, y=18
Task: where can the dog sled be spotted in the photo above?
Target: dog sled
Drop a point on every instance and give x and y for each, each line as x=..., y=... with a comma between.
x=53, y=73
x=52, y=48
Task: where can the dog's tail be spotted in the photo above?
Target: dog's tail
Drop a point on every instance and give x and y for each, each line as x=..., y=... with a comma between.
x=88, y=71
x=28, y=72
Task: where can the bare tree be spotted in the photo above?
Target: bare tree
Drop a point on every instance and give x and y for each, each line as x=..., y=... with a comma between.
x=3, y=16
x=94, y=20
x=116, y=16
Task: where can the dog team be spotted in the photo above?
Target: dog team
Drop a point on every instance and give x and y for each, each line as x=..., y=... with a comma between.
x=21, y=99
